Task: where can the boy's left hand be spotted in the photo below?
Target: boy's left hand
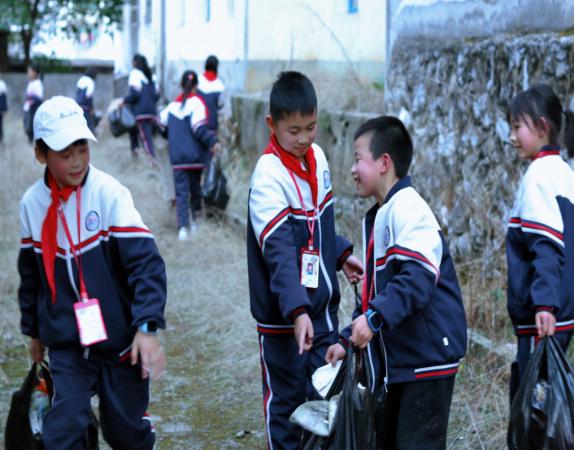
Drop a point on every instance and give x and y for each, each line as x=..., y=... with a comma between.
x=361, y=333
x=545, y=322
x=353, y=269
x=151, y=355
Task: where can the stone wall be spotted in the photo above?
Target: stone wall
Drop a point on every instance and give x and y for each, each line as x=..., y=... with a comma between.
x=452, y=96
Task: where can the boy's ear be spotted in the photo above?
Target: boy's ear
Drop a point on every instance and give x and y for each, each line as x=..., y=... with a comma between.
x=385, y=163
x=40, y=155
x=270, y=123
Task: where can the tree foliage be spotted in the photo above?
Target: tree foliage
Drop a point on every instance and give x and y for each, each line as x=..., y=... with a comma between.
x=28, y=17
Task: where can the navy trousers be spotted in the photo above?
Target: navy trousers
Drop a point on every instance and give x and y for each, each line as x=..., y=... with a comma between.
x=188, y=194
x=123, y=397
x=286, y=380
x=144, y=132
x=526, y=346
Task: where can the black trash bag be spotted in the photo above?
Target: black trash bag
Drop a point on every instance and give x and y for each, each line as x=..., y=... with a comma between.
x=541, y=415
x=121, y=120
x=214, y=186
x=18, y=434
x=355, y=418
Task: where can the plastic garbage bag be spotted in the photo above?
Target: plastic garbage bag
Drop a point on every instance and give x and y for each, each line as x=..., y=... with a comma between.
x=27, y=409
x=541, y=415
x=214, y=186
x=121, y=120
x=353, y=424
x=317, y=416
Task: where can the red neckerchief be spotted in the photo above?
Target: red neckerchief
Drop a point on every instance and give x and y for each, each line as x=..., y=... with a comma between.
x=293, y=164
x=369, y=281
x=547, y=150
x=210, y=75
x=50, y=228
x=180, y=97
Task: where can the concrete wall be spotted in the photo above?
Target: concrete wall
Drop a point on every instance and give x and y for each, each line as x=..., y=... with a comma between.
x=56, y=84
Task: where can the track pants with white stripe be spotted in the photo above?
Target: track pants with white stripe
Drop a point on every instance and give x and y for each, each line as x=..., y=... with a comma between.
x=123, y=398
x=286, y=380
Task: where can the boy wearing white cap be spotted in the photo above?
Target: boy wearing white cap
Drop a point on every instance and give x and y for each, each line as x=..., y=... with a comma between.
x=92, y=290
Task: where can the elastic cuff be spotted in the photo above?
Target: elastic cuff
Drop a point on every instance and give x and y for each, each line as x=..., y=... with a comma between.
x=297, y=312
x=343, y=258
x=550, y=309
x=343, y=341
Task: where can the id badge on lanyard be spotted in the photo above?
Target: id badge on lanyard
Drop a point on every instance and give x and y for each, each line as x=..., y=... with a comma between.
x=89, y=319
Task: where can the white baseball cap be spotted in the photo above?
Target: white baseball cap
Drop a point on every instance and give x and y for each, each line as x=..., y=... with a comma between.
x=59, y=122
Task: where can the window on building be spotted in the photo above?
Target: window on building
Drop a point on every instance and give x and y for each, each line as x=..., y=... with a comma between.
x=231, y=8
x=148, y=12
x=208, y=10
x=352, y=6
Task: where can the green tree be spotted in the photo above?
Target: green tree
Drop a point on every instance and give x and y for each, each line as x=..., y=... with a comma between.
x=28, y=17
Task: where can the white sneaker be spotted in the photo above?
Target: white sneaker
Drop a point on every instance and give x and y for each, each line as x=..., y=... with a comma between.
x=194, y=227
x=183, y=234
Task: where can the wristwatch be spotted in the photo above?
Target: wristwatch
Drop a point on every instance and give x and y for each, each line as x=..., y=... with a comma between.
x=149, y=328
x=374, y=320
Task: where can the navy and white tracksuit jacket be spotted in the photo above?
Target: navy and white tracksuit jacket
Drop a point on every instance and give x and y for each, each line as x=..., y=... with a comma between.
x=277, y=231
x=85, y=97
x=189, y=140
x=212, y=92
x=416, y=292
x=142, y=96
x=540, y=245
x=121, y=266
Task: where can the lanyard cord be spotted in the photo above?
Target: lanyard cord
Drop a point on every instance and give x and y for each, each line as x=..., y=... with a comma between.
x=311, y=226
x=75, y=248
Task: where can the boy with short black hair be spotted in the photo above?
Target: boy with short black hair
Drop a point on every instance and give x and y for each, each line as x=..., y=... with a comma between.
x=293, y=255
x=92, y=290
x=411, y=304
x=211, y=89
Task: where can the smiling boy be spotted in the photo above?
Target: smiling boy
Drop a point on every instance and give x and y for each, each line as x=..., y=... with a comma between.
x=293, y=255
x=411, y=317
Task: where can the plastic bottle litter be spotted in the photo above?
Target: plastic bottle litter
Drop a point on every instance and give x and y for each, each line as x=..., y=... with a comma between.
x=39, y=405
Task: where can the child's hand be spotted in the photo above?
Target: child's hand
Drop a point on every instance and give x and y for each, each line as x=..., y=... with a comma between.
x=303, y=332
x=361, y=333
x=151, y=355
x=545, y=322
x=334, y=353
x=353, y=269
x=36, y=350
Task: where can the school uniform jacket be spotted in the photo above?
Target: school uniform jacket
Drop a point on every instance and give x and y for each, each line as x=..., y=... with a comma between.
x=189, y=137
x=85, y=93
x=34, y=95
x=416, y=292
x=277, y=232
x=3, y=99
x=120, y=264
x=540, y=245
x=142, y=95
x=212, y=92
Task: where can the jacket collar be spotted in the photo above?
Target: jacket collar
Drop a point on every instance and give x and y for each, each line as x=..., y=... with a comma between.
x=403, y=183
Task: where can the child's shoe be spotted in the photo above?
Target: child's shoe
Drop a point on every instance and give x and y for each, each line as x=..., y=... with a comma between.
x=183, y=234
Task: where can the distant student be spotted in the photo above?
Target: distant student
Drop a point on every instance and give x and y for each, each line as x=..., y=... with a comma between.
x=142, y=97
x=540, y=232
x=293, y=255
x=34, y=98
x=411, y=319
x=3, y=106
x=92, y=289
x=211, y=88
x=85, y=95
x=190, y=142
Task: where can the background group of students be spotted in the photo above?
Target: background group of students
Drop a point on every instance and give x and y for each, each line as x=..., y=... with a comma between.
x=189, y=123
